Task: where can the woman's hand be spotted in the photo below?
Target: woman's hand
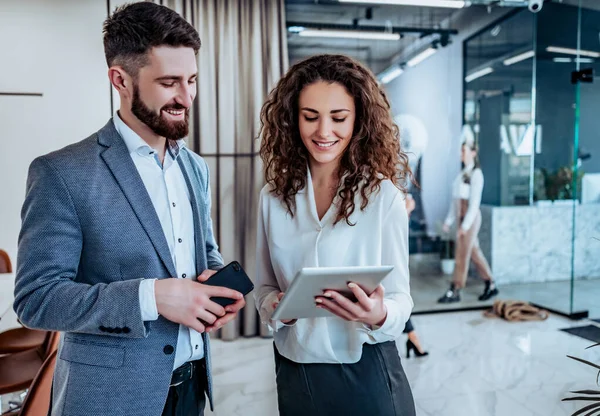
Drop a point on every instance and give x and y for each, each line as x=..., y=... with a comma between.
x=369, y=310
x=275, y=304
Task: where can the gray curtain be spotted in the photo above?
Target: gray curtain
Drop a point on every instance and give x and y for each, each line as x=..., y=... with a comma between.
x=243, y=55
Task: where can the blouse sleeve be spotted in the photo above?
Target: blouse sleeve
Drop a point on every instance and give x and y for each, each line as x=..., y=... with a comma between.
x=397, y=298
x=267, y=287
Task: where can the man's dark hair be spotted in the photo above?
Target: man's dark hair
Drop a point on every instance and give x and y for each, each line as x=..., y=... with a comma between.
x=133, y=29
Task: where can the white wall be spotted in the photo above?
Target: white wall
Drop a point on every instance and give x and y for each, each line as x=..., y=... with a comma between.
x=432, y=91
x=53, y=47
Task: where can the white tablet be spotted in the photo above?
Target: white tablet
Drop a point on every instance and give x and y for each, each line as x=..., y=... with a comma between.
x=299, y=300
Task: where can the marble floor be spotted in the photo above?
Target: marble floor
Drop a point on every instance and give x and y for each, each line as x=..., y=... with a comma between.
x=476, y=367
x=428, y=284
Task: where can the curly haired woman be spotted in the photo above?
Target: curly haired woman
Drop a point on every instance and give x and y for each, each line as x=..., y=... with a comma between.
x=335, y=196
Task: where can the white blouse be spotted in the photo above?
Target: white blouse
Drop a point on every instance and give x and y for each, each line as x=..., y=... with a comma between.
x=286, y=244
x=471, y=192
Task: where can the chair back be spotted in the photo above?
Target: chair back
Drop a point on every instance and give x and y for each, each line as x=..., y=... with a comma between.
x=50, y=344
x=37, y=401
x=5, y=266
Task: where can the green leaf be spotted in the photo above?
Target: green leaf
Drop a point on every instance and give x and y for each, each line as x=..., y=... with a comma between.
x=596, y=410
x=586, y=408
x=585, y=362
x=592, y=346
x=582, y=398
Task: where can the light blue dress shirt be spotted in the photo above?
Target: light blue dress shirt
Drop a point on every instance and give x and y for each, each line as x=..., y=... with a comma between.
x=170, y=197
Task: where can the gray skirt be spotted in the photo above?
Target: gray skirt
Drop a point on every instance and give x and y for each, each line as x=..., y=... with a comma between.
x=375, y=385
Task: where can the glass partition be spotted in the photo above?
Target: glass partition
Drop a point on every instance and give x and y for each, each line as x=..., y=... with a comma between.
x=531, y=109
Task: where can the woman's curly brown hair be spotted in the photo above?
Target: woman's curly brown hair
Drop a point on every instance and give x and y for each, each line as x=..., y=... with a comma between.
x=373, y=154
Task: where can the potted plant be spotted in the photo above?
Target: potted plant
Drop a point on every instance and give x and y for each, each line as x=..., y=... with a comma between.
x=590, y=397
x=558, y=185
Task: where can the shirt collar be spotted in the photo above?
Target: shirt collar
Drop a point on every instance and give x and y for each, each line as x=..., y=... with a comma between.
x=136, y=144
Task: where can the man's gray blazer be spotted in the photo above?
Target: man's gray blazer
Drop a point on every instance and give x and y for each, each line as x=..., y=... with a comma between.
x=89, y=236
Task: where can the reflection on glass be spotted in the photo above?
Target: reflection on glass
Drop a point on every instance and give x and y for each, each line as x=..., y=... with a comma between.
x=536, y=121
x=498, y=106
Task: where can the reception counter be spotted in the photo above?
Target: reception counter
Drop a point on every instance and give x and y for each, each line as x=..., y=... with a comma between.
x=527, y=244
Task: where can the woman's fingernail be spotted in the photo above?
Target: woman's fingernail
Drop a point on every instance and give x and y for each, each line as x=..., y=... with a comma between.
x=351, y=285
x=327, y=294
x=318, y=301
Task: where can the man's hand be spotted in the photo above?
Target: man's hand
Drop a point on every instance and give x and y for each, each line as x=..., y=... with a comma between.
x=369, y=310
x=187, y=302
x=231, y=311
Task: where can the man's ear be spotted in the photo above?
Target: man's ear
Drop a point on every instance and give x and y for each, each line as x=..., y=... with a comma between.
x=120, y=80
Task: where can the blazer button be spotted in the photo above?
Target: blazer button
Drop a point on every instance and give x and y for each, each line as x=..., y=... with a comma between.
x=126, y=330
x=168, y=349
x=102, y=328
x=110, y=330
x=118, y=330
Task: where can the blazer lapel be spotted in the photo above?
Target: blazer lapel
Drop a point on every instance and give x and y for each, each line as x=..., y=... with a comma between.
x=117, y=158
x=192, y=182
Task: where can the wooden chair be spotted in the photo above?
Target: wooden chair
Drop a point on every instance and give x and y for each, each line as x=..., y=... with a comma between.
x=5, y=265
x=18, y=370
x=21, y=339
x=18, y=339
x=37, y=401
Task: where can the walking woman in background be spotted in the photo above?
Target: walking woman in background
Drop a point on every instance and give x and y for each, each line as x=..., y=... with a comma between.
x=333, y=198
x=464, y=210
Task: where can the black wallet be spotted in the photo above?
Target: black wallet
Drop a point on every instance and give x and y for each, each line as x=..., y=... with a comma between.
x=233, y=277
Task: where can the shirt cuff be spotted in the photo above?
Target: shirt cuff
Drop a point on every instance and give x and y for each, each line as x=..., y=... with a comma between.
x=148, y=300
x=382, y=333
x=273, y=324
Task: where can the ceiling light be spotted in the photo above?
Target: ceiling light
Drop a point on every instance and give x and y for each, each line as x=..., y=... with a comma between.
x=518, y=58
x=391, y=74
x=348, y=34
x=569, y=60
x=453, y=4
x=421, y=57
x=479, y=74
x=569, y=51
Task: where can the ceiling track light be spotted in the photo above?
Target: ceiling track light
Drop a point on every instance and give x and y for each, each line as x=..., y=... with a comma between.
x=452, y=4
x=348, y=34
x=571, y=51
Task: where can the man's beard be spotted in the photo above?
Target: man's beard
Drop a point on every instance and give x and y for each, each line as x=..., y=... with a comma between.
x=171, y=130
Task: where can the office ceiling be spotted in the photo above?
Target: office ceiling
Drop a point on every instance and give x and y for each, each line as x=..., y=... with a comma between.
x=377, y=54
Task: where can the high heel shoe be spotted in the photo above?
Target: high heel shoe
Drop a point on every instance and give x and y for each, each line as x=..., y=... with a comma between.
x=410, y=346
